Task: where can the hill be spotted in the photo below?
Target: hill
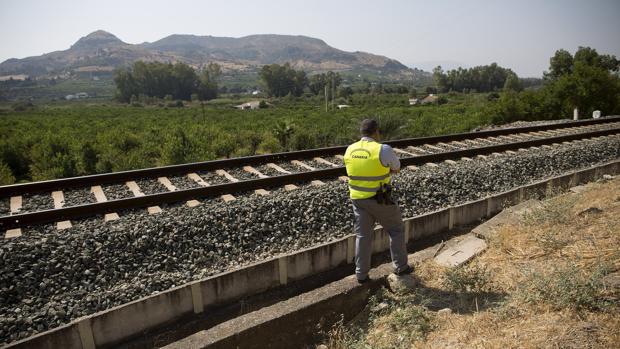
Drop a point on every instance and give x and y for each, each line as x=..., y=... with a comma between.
x=101, y=51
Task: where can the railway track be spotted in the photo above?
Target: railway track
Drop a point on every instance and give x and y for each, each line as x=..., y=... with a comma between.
x=55, y=277
x=76, y=197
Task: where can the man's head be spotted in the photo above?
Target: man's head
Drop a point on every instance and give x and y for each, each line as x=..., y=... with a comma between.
x=370, y=128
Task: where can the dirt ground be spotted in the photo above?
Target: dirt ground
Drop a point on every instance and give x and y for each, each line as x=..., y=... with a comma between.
x=549, y=279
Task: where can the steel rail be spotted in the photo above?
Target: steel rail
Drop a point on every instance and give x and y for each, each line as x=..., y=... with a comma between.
x=55, y=215
x=122, y=176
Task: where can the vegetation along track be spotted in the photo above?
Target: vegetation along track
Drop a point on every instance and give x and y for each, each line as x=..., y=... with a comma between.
x=240, y=174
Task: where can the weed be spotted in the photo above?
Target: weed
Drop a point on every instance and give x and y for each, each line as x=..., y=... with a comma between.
x=555, y=212
x=395, y=321
x=552, y=240
x=567, y=287
x=468, y=278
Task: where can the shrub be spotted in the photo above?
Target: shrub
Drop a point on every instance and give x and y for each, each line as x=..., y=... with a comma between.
x=22, y=106
x=567, y=287
x=6, y=175
x=472, y=278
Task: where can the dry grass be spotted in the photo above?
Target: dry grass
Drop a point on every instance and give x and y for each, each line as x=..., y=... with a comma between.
x=538, y=285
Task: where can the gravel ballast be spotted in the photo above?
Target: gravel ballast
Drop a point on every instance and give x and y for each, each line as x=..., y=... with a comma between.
x=50, y=277
x=81, y=196
x=116, y=191
x=5, y=206
x=37, y=202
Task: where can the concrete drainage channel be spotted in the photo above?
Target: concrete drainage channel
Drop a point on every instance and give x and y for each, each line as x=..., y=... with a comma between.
x=307, y=276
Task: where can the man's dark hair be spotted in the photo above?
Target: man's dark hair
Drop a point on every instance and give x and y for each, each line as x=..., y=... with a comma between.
x=368, y=127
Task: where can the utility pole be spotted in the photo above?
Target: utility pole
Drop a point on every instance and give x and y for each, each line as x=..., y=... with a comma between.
x=333, y=91
x=326, y=98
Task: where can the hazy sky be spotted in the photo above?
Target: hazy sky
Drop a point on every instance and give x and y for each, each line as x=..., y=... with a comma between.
x=521, y=35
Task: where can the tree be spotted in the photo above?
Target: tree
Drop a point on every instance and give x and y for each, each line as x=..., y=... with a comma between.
x=482, y=78
x=280, y=80
x=283, y=132
x=560, y=64
x=208, y=82
x=587, y=81
x=317, y=84
x=512, y=83
x=158, y=80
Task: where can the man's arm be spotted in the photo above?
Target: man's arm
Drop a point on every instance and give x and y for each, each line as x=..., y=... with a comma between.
x=389, y=158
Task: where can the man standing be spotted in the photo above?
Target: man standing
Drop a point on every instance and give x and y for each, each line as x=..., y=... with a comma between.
x=369, y=165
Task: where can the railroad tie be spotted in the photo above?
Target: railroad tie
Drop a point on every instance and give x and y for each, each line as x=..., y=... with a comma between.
x=100, y=197
x=447, y=145
x=226, y=175
x=13, y=233
x=397, y=150
x=302, y=165
x=59, y=202
x=418, y=150
x=458, y=144
x=278, y=168
x=196, y=178
x=323, y=161
x=137, y=192
x=256, y=172
x=493, y=139
x=15, y=204
x=434, y=147
x=290, y=187
x=165, y=181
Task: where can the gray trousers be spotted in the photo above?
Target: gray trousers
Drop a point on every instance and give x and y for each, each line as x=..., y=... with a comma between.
x=367, y=212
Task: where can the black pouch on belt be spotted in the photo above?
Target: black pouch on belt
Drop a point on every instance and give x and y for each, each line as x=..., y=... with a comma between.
x=387, y=195
x=384, y=195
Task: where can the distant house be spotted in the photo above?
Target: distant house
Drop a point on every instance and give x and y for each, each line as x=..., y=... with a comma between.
x=248, y=105
x=79, y=95
x=20, y=77
x=255, y=93
x=430, y=99
x=342, y=106
x=413, y=101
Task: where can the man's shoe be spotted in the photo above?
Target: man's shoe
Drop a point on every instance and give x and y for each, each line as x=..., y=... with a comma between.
x=363, y=281
x=405, y=271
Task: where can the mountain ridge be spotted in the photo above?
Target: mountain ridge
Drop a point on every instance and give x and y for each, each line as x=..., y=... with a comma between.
x=103, y=51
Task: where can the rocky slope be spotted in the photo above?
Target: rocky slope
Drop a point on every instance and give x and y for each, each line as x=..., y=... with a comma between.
x=102, y=51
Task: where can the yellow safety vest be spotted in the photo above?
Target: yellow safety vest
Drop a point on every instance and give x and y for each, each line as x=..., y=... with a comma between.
x=364, y=168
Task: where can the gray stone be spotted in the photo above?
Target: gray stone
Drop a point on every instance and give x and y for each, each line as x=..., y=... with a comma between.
x=444, y=312
x=401, y=284
x=462, y=252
